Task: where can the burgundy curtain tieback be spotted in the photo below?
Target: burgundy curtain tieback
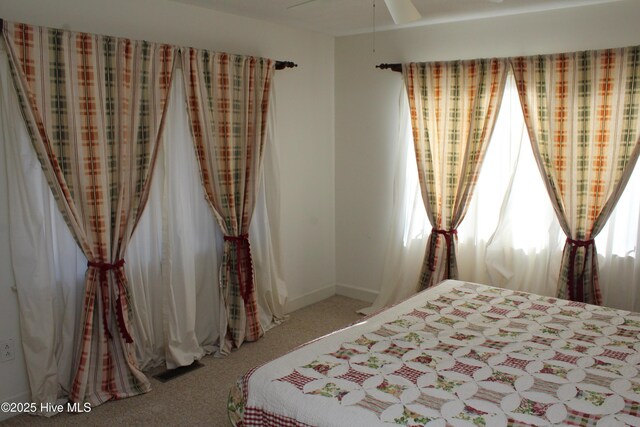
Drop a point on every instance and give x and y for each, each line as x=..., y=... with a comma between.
x=104, y=268
x=448, y=237
x=576, y=293
x=243, y=258
x=240, y=239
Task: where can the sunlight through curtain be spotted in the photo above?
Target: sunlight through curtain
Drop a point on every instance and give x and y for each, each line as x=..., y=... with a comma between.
x=582, y=115
x=510, y=237
x=453, y=107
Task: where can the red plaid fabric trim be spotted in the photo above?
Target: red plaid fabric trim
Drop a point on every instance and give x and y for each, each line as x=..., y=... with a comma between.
x=409, y=374
x=627, y=333
x=516, y=423
x=355, y=376
x=631, y=408
x=577, y=418
x=245, y=383
x=463, y=368
x=515, y=363
x=256, y=417
x=420, y=314
x=584, y=338
x=460, y=313
x=618, y=355
x=565, y=358
x=499, y=311
x=539, y=307
x=296, y=379
x=577, y=304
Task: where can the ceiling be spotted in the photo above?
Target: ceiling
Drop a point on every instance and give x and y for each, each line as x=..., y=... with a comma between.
x=346, y=17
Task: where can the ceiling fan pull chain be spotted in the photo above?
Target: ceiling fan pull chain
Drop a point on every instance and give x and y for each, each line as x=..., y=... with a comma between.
x=374, y=26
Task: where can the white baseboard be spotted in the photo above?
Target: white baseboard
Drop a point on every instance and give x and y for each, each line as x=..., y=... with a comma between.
x=24, y=397
x=356, y=292
x=310, y=298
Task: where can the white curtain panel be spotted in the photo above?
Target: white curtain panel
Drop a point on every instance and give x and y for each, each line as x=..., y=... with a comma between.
x=618, y=245
x=410, y=227
x=172, y=259
x=264, y=231
x=510, y=236
x=49, y=290
x=513, y=236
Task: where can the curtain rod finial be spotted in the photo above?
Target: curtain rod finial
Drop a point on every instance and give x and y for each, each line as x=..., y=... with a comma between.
x=393, y=67
x=281, y=65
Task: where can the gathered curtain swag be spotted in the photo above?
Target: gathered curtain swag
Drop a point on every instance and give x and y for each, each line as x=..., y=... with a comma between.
x=95, y=108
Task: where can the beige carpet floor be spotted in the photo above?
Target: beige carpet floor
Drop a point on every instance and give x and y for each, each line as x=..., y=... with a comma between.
x=199, y=398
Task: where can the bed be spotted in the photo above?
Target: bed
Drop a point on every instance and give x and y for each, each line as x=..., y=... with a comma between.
x=458, y=354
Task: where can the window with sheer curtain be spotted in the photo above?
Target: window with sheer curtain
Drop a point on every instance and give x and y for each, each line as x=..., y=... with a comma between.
x=510, y=236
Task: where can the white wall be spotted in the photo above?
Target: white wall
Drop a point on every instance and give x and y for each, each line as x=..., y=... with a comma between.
x=305, y=130
x=367, y=107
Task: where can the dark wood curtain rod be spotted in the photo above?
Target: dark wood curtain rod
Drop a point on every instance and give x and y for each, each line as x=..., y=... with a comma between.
x=393, y=67
x=280, y=65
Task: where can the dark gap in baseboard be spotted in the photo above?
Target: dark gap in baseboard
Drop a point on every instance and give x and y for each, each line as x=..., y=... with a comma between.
x=171, y=374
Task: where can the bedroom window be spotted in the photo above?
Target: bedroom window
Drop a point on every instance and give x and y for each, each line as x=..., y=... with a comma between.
x=510, y=235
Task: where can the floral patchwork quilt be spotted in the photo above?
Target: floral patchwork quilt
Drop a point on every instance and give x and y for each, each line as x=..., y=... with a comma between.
x=458, y=354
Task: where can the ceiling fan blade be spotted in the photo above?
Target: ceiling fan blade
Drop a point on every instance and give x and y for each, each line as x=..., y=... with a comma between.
x=402, y=11
x=300, y=4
